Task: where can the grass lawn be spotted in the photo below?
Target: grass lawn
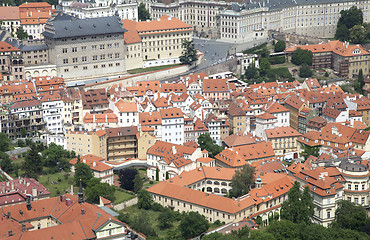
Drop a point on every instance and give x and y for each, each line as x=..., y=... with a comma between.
x=142, y=70
x=286, y=64
x=148, y=184
x=56, y=183
x=122, y=197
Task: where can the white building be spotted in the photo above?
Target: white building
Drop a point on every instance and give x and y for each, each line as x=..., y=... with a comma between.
x=101, y=8
x=280, y=112
x=172, y=125
x=127, y=113
x=264, y=121
x=52, y=108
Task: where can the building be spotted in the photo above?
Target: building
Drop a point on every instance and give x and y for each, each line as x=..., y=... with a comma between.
x=86, y=142
x=172, y=125
x=85, y=48
x=66, y=216
x=18, y=190
x=283, y=140
x=126, y=112
x=144, y=142
x=295, y=107
x=11, y=61
x=217, y=89
x=125, y=9
x=342, y=57
x=94, y=100
x=10, y=20
x=161, y=40
x=237, y=118
x=171, y=159
x=97, y=165
x=122, y=143
x=52, y=108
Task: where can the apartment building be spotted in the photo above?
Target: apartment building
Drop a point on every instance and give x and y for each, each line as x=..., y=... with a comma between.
x=283, y=140
x=85, y=48
x=52, y=107
x=344, y=58
x=237, y=118
x=87, y=142
x=10, y=20
x=126, y=112
x=217, y=89
x=295, y=107
x=98, y=167
x=161, y=40
x=73, y=107
x=122, y=143
x=11, y=61
x=172, y=125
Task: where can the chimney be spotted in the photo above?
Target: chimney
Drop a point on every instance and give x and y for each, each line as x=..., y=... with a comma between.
x=28, y=183
x=84, y=160
x=82, y=212
x=94, y=164
x=34, y=192
x=10, y=233
x=12, y=183
x=174, y=150
x=72, y=190
x=3, y=188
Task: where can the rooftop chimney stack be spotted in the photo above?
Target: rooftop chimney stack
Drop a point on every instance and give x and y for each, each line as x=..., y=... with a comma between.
x=34, y=192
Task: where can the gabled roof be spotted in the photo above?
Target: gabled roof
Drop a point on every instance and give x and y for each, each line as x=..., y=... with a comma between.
x=123, y=106
x=282, y=132
x=161, y=24
x=94, y=162
x=171, y=113
x=9, y=13
x=239, y=139
x=6, y=47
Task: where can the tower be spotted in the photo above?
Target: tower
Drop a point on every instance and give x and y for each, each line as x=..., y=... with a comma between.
x=80, y=194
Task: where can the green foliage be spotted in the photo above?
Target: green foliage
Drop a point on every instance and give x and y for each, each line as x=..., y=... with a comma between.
x=305, y=71
x=189, y=53
x=143, y=13
x=21, y=34
x=279, y=73
x=138, y=183
x=32, y=164
x=350, y=216
x=142, y=224
x=298, y=208
x=357, y=34
x=359, y=84
x=242, y=181
x=264, y=66
x=4, y=142
x=144, y=200
x=126, y=178
x=167, y=175
x=206, y=142
x=308, y=151
x=302, y=56
x=83, y=173
x=5, y=163
x=277, y=60
x=348, y=19
x=193, y=224
x=56, y=157
x=21, y=143
x=256, y=49
x=279, y=46
x=251, y=72
x=166, y=219
x=157, y=174
x=95, y=189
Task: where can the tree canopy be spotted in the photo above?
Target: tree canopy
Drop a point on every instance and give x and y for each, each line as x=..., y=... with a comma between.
x=83, y=173
x=242, y=181
x=4, y=142
x=308, y=151
x=193, y=224
x=21, y=34
x=301, y=56
x=348, y=19
x=144, y=200
x=298, y=208
x=206, y=142
x=95, y=189
x=305, y=71
x=56, y=157
x=189, y=53
x=138, y=183
x=32, y=164
x=126, y=178
x=143, y=13
x=279, y=46
x=5, y=163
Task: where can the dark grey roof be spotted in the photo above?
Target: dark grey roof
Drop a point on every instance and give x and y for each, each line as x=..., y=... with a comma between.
x=65, y=26
x=27, y=48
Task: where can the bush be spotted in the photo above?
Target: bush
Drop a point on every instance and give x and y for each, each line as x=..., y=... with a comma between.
x=305, y=71
x=150, y=182
x=156, y=207
x=255, y=49
x=277, y=60
x=282, y=73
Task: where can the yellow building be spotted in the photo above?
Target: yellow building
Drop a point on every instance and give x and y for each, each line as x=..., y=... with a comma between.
x=156, y=42
x=86, y=142
x=283, y=139
x=145, y=141
x=237, y=118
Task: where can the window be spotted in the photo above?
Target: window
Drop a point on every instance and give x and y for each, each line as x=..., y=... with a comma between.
x=102, y=46
x=116, y=45
x=349, y=186
x=102, y=57
x=95, y=66
x=327, y=214
x=74, y=49
x=116, y=55
x=84, y=59
x=65, y=61
x=83, y=48
x=74, y=60
x=64, y=50
x=356, y=187
x=95, y=57
x=93, y=47
x=84, y=68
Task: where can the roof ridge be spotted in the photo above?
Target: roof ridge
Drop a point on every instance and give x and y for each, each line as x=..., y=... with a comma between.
x=82, y=228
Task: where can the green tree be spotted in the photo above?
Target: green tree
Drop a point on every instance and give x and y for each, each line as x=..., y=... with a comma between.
x=264, y=66
x=242, y=181
x=138, y=183
x=83, y=173
x=143, y=13
x=126, y=178
x=23, y=132
x=251, y=72
x=206, y=142
x=157, y=174
x=348, y=19
x=299, y=207
x=308, y=151
x=359, y=83
x=193, y=224
x=302, y=56
x=305, y=71
x=279, y=46
x=350, y=216
x=21, y=143
x=56, y=157
x=5, y=163
x=95, y=189
x=144, y=200
x=189, y=53
x=4, y=142
x=166, y=219
x=21, y=34
x=357, y=34
x=32, y=164
x=143, y=224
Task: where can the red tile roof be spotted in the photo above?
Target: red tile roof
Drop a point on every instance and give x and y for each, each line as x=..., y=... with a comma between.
x=94, y=162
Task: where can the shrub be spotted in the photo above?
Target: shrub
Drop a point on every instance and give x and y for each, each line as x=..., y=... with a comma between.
x=277, y=60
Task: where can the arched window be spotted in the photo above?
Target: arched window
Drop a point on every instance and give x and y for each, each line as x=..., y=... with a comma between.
x=209, y=189
x=216, y=190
